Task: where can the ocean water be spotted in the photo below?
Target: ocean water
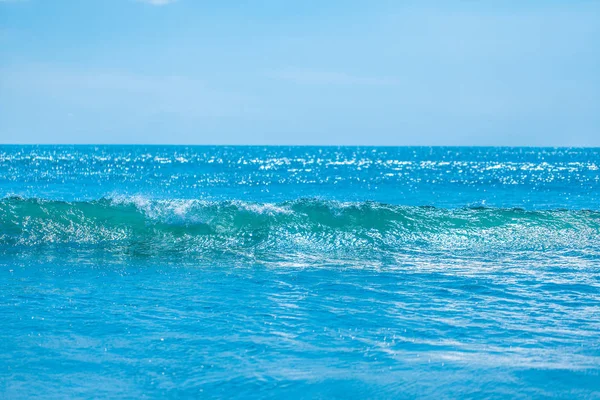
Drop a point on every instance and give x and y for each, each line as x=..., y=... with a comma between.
x=299, y=272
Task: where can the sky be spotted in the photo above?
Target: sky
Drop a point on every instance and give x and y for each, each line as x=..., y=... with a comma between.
x=269, y=72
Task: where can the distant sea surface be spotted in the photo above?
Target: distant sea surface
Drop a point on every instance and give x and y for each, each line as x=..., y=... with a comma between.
x=299, y=272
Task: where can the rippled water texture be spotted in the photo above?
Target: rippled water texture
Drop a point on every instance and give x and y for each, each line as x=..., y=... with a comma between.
x=299, y=272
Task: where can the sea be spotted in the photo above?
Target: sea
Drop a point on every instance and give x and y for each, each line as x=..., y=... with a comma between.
x=245, y=272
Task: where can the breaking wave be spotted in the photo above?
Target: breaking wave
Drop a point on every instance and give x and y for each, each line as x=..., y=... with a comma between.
x=306, y=228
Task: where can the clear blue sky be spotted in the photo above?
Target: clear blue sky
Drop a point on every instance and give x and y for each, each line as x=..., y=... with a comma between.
x=304, y=72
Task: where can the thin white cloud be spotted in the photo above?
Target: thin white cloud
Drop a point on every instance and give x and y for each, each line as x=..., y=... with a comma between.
x=318, y=77
x=113, y=91
x=156, y=2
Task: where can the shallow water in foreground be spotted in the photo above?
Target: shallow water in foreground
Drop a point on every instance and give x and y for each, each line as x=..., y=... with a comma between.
x=299, y=272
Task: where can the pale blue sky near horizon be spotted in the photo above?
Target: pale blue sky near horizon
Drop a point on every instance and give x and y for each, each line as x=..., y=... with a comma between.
x=338, y=72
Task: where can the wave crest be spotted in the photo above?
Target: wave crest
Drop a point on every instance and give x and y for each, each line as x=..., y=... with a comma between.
x=135, y=226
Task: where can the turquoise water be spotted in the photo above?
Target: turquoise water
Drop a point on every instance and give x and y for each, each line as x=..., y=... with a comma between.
x=299, y=272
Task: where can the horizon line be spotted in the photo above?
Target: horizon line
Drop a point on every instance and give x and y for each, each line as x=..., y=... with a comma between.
x=300, y=145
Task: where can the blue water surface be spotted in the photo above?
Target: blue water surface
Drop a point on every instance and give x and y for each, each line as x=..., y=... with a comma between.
x=299, y=272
